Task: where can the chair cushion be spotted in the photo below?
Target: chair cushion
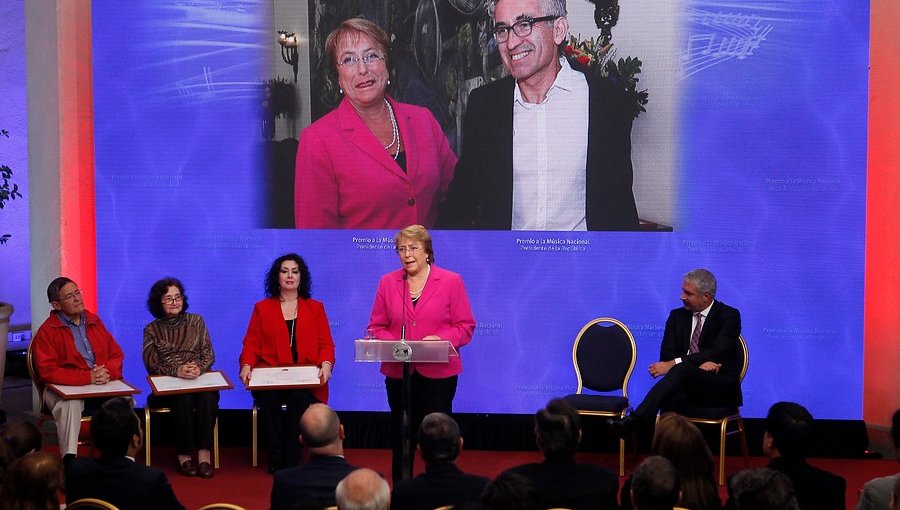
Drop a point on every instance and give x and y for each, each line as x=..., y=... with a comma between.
x=709, y=413
x=584, y=402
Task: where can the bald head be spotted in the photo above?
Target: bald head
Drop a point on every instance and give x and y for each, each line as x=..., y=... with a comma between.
x=320, y=429
x=363, y=489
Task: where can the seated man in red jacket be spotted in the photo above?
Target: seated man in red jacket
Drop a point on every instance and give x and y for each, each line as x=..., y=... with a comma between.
x=72, y=347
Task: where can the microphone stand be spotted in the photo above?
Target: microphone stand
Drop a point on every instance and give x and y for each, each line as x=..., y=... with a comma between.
x=405, y=433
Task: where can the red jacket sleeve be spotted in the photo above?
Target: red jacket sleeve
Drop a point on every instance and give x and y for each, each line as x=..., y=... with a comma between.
x=106, y=350
x=250, y=354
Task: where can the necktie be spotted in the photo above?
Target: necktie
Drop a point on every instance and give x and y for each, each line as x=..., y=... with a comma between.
x=695, y=336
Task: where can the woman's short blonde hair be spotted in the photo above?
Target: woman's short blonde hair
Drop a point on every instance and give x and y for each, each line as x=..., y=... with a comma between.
x=416, y=233
x=354, y=28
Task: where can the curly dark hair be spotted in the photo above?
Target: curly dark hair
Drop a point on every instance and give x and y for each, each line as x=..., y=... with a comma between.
x=273, y=289
x=158, y=290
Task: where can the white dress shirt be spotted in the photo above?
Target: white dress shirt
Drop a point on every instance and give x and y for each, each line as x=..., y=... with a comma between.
x=550, y=156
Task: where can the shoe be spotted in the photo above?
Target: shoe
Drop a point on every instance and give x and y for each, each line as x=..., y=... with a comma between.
x=188, y=468
x=205, y=470
x=623, y=428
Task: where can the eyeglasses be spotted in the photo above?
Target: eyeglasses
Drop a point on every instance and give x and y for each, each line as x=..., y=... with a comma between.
x=171, y=300
x=412, y=250
x=522, y=27
x=370, y=60
x=70, y=296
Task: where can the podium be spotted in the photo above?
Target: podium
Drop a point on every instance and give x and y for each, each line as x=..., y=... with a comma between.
x=405, y=352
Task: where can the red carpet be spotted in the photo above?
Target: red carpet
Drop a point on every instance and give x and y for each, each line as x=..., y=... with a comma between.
x=239, y=483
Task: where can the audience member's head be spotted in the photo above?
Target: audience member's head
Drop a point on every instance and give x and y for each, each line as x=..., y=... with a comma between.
x=762, y=489
x=116, y=429
x=558, y=430
x=895, y=496
x=439, y=439
x=680, y=441
x=321, y=430
x=17, y=439
x=510, y=491
x=22, y=437
x=363, y=489
x=654, y=485
x=32, y=482
x=788, y=431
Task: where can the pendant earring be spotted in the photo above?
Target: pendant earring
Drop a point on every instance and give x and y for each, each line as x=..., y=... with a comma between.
x=341, y=91
x=389, y=82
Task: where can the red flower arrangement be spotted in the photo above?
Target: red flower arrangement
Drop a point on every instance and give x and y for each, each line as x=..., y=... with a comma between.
x=589, y=56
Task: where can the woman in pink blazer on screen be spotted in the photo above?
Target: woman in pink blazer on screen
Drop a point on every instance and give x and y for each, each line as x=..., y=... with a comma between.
x=372, y=163
x=434, y=305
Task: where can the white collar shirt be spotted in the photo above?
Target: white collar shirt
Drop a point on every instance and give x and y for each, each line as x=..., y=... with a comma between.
x=550, y=155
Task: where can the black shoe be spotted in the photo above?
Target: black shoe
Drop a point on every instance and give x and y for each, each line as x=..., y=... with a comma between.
x=623, y=428
x=205, y=470
x=187, y=468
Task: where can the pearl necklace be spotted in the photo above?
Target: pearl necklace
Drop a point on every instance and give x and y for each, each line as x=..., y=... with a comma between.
x=418, y=293
x=395, y=139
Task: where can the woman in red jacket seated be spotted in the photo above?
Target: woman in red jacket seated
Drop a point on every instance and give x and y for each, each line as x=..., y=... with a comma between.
x=288, y=328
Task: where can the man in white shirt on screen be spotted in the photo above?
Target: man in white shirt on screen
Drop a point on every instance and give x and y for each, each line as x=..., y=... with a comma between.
x=548, y=147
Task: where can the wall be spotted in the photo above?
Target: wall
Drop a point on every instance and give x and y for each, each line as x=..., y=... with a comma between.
x=14, y=267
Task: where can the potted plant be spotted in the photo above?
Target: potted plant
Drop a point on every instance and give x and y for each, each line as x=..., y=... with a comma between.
x=8, y=191
x=279, y=100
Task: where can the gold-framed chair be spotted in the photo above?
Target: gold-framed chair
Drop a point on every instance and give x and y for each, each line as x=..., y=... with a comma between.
x=222, y=506
x=724, y=416
x=91, y=503
x=604, y=354
x=44, y=413
x=255, y=434
x=149, y=410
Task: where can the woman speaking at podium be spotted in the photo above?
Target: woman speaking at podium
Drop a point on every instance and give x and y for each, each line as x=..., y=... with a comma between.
x=288, y=328
x=433, y=305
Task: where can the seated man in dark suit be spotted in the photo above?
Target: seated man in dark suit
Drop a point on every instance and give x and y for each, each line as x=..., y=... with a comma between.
x=698, y=358
x=442, y=483
x=114, y=477
x=654, y=485
x=560, y=481
x=787, y=437
x=321, y=431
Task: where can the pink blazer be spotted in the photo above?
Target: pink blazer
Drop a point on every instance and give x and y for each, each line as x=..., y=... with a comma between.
x=443, y=310
x=345, y=178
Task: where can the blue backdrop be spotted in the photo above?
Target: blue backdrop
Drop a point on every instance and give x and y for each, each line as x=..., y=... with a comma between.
x=770, y=196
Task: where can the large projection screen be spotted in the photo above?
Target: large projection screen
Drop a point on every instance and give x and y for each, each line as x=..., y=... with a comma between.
x=752, y=149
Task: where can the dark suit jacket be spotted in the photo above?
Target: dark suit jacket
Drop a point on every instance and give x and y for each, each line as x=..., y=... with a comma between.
x=439, y=485
x=567, y=484
x=814, y=488
x=119, y=481
x=718, y=343
x=481, y=193
x=313, y=481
